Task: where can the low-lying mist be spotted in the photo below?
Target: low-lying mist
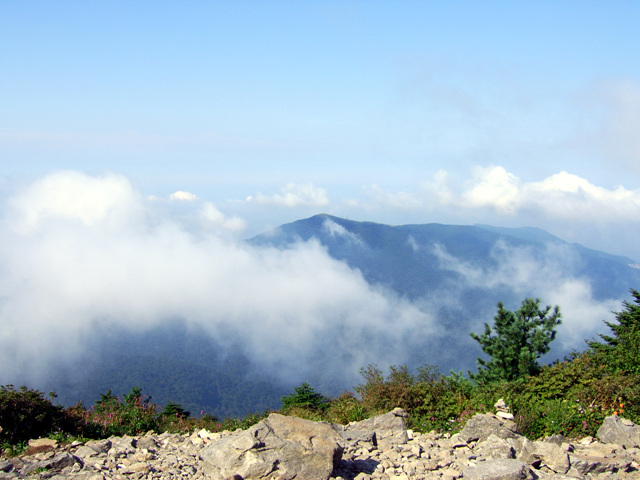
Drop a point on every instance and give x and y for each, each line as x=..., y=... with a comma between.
x=84, y=257
x=80, y=255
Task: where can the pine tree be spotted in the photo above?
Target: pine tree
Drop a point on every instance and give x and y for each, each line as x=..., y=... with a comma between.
x=304, y=396
x=621, y=351
x=173, y=409
x=520, y=339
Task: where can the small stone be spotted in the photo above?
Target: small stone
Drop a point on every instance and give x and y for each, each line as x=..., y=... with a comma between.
x=505, y=415
x=43, y=442
x=139, y=468
x=501, y=405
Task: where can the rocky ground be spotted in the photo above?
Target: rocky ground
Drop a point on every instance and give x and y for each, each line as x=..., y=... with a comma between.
x=488, y=448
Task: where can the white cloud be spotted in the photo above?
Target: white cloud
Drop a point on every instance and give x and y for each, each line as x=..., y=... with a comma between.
x=518, y=270
x=560, y=196
x=60, y=279
x=183, y=196
x=79, y=251
x=492, y=187
x=194, y=214
x=440, y=188
x=568, y=196
x=336, y=230
x=75, y=197
x=294, y=195
x=214, y=217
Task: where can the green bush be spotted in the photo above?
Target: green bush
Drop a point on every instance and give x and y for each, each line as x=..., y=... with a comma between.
x=380, y=394
x=173, y=409
x=446, y=403
x=345, y=409
x=26, y=414
x=620, y=352
x=572, y=397
x=304, y=396
x=247, y=421
x=134, y=414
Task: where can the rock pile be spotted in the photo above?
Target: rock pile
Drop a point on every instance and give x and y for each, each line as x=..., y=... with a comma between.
x=286, y=448
x=502, y=410
x=277, y=447
x=489, y=448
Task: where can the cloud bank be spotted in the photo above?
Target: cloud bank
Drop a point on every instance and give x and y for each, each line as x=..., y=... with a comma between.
x=565, y=204
x=80, y=252
x=561, y=195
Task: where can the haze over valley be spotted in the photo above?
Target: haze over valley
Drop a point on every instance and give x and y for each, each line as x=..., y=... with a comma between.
x=103, y=289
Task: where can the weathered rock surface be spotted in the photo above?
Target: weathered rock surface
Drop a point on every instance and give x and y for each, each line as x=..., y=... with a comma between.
x=620, y=431
x=545, y=455
x=278, y=447
x=390, y=429
x=480, y=426
x=428, y=456
x=498, y=469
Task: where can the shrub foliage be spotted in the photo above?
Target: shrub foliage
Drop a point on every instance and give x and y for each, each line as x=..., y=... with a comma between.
x=305, y=397
x=25, y=414
x=621, y=350
x=571, y=397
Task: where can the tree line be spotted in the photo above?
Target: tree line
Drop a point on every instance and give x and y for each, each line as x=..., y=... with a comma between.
x=570, y=397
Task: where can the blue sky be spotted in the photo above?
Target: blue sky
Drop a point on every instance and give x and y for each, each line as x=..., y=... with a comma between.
x=139, y=141
x=366, y=104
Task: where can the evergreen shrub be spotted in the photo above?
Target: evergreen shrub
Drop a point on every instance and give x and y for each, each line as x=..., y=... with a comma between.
x=26, y=414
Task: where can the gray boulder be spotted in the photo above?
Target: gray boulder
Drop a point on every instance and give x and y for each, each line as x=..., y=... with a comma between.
x=356, y=438
x=557, y=439
x=58, y=462
x=5, y=466
x=278, y=447
x=499, y=469
x=390, y=429
x=545, y=454
x=481, y=426
x=595, y=465
x=619, y=431
x=495, y=447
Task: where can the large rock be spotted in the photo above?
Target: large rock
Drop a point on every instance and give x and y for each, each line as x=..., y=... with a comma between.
x=58, y=462
x=390, y=429
x=278, y=447
x=545, y=454
x=595, y=465
x=481, y=426
x=619, y=431
x=356, y=438
x=495, y=447
x=499, y=469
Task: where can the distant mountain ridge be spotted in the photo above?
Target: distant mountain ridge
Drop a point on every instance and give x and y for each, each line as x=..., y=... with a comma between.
x=456, y=273
x=400, y=257
x=532, y=233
